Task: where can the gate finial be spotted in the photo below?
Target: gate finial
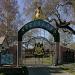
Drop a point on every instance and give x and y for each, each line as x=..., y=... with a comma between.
x=38, y=13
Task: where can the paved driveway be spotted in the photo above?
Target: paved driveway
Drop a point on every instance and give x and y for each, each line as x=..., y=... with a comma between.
x=39, y=71
x=46, y=71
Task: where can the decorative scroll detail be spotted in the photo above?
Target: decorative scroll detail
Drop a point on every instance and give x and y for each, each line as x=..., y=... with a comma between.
x=39, y=50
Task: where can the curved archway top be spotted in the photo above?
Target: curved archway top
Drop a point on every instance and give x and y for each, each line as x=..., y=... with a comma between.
x=39, y=24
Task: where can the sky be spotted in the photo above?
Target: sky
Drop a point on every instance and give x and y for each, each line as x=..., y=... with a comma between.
x=21, y=4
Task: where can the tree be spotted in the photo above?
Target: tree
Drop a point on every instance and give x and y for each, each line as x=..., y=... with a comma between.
x=54, y=11
x=9, y=9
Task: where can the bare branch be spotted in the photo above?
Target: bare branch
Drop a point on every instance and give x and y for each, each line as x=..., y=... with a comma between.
x=68, y=27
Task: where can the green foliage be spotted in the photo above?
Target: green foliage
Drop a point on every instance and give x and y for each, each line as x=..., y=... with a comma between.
x=2, y=74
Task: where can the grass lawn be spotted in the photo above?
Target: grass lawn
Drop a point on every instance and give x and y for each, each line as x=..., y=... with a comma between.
x=44, y=61
x=47, y=60
x=69, y=68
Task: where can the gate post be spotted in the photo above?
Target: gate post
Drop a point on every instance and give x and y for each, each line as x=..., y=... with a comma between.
x=60, y=56
x=57, y=56
x=56, y=53
x=19, y=53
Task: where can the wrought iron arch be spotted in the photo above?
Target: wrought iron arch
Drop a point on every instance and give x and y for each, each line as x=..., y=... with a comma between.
x=39, y=24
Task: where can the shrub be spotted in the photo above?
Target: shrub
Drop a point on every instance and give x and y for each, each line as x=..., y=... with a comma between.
x=14, y=71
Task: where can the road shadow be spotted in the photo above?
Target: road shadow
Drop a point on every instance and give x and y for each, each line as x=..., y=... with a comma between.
x=43, y=70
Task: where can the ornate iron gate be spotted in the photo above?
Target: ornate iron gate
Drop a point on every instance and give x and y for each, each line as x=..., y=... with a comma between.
x=39, y=24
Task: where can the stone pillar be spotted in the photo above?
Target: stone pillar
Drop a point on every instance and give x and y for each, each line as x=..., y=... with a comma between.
x=60, y=56
x=19, y=53
x=56, y=55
